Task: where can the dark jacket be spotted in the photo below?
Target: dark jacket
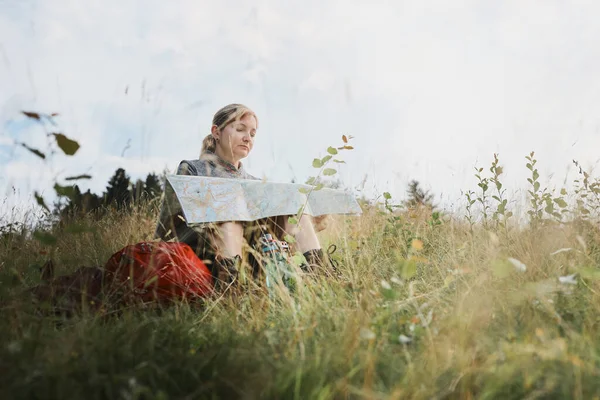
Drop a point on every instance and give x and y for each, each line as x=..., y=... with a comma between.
x=173, y=226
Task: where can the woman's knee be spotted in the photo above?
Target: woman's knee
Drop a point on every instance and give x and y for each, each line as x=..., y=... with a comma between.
x=304, y=233
x=230, y=238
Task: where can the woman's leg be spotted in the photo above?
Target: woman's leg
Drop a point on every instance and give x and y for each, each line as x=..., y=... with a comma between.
x=304, y=233
x=308, y=243
x=228, y=240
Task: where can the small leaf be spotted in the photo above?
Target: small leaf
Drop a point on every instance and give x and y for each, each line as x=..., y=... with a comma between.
x=40, y=201
x=68, y=146
x=298, y=259
x=332, y=151
x=45, y=238
x=563, y=191
x=31, y=115
x=317, y=163
x=325, y=159
x=339, y=161
x=34, y=151
x=535, y=175
x=289, y=238
x=304, y=190
x=67, y=191
x=501, y=208
x=311, y=180
x=74, y=178
x=54, y=114
x=319, y=187
x=409, y=269
x=561, y=203
x=348, y=147
x=329, y=171
x=344, y=139
x=387, y=195
x=293, y=221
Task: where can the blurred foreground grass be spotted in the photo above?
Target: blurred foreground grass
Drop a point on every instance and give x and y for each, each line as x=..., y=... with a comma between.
x=423, y=310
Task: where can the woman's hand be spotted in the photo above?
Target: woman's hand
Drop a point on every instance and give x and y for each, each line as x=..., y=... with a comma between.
x=321, y=222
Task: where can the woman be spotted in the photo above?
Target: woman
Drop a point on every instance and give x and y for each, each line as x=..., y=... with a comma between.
x=231, y=139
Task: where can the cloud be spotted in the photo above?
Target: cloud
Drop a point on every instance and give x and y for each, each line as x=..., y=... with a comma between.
x=429, y=89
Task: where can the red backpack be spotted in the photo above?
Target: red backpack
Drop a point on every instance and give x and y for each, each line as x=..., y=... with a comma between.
x=159, y=271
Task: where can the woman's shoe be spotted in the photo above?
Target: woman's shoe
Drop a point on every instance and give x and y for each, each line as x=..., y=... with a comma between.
x=317, y=261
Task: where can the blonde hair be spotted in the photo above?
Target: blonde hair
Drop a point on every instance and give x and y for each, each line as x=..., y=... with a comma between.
x=222, y=118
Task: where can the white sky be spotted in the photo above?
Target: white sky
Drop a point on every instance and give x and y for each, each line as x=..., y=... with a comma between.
x=429, y=89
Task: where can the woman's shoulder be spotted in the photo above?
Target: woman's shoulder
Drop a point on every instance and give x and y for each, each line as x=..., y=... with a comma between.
x=188, y=167
x=208, y=165
x=200, y=167
x=204, y=166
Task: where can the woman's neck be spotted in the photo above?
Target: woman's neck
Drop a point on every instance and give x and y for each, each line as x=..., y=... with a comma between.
x=229, y=159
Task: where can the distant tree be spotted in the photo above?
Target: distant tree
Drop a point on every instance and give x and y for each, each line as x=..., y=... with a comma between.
x=118, y=191
x=78, y=205
x=418, y=197
x=152, y=186
x=137, y=191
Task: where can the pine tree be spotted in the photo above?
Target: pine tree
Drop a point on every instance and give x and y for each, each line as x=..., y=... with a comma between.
x=417, y=197
x=117, y=191
x=153, y=187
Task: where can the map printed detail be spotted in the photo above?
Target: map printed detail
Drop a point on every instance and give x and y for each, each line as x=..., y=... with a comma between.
x=207, y=199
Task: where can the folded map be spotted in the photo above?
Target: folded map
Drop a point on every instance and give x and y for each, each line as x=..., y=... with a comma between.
x=206, y=199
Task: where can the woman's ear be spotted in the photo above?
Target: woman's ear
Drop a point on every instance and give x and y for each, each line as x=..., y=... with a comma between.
x=215, y=132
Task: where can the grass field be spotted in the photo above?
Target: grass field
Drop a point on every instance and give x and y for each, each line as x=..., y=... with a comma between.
x=426, y=308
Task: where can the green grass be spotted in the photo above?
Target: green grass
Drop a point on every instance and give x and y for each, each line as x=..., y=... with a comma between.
x=478, y=327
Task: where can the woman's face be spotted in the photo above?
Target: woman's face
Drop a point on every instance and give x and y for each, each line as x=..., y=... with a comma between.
x=237, y=139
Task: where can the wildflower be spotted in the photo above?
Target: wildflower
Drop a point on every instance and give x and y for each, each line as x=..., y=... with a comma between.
x=568, y=279
x=404, y=339
x=366, y=333
x=564, y=249
x=396, y=280
x=417, y=244
x=519, y=266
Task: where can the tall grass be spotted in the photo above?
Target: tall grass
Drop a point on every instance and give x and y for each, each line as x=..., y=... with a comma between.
x=426, y=307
